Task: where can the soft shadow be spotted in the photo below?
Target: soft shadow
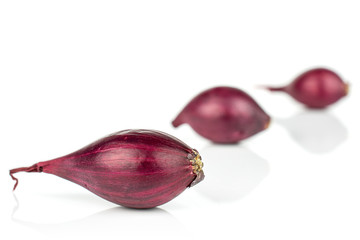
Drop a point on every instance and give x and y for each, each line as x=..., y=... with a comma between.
x=117, y=221
x=316, y=131
x=232, y=172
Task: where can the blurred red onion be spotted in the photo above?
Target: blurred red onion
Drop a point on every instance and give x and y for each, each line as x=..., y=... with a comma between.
x=224, y=115
x=316, y=88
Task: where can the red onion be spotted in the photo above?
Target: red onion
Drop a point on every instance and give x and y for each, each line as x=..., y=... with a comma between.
x=132, y=168
x=316, y=88
x=224, y=115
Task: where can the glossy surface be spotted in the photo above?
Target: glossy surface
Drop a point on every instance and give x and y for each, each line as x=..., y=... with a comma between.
x=224, y=115
x=73, y=71
x=133, y=168
x=316, y=88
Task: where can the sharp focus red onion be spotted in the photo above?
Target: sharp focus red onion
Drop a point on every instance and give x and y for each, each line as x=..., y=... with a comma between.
x=224, y=115
x=316, y=88
x=132, y=168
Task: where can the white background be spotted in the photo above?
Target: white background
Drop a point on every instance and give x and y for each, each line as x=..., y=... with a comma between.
x=73, y=71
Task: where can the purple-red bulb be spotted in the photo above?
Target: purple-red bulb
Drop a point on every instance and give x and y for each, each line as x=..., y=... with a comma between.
x=133, y=168
x=224, y=115
x=316, y=88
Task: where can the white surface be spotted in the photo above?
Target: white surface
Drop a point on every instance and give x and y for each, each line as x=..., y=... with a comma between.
x=74, y=71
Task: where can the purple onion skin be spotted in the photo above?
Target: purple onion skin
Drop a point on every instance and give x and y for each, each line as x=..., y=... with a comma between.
x=316, y=88
x=132, y=168
x=224, y=115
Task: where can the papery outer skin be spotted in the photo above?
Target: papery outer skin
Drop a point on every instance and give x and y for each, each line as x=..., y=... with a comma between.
x=316, y=88
x=132, y=168
x=224, y=115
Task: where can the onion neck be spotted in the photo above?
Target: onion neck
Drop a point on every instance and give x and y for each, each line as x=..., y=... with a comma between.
x=33, y=168
x=276, y=89
x=178, y=120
